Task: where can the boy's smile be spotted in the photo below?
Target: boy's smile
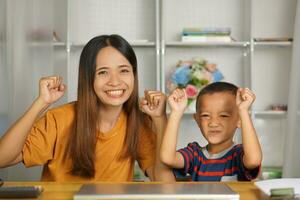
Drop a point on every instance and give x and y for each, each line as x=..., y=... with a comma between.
x=217, y=118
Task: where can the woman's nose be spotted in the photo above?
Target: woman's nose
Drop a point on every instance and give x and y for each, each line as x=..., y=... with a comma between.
x=113, y=79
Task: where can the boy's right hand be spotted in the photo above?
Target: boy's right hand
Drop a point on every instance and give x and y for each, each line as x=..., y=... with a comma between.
x=178, y=100
x=51, y=89
x=244, y=98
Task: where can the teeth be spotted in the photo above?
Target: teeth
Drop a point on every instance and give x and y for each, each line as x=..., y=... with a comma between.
x=114, y=92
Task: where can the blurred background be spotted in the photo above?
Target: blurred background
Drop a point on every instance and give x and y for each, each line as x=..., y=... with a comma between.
x=255, y=44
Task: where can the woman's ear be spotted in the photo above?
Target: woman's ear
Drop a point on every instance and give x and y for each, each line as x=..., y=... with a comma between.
x=239, y=123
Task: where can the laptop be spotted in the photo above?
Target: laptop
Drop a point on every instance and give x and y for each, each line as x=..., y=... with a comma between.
x=156, y=191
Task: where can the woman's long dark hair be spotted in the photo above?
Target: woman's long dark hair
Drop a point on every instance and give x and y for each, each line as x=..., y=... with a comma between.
x=82, y=142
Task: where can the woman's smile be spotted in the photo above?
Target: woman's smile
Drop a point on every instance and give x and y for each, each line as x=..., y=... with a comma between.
x=115, y=93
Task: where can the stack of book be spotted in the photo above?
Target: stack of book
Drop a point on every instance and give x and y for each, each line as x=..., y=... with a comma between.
x=206, y=35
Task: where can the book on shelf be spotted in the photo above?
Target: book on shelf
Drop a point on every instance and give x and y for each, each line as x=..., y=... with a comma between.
x=206, y=31
x=196, y=34
x=277, y=39
x=205, y=38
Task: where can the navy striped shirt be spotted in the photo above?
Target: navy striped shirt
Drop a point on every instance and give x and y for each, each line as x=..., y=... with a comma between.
x=227, y=165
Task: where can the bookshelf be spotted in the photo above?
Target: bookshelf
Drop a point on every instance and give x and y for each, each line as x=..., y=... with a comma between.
x=135, y=20
x=153, y=28
x=262, y=66
x=207, y=44
x=154, y=32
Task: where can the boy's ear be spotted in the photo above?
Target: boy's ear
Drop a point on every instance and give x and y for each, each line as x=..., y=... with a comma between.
x=195, y=116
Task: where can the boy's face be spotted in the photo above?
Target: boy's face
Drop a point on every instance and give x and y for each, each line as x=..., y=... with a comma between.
x=217, y=117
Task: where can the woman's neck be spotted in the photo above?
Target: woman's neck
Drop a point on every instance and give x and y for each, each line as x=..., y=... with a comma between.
x=108, y=117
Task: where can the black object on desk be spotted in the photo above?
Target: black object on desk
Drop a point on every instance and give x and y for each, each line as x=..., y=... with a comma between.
x=19, y=191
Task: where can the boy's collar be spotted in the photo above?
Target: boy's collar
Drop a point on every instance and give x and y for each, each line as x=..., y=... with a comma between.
x=217, y=155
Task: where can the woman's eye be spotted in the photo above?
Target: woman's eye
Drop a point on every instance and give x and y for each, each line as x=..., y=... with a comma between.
x=102, y=72
x=124, y=71
x=204, y=115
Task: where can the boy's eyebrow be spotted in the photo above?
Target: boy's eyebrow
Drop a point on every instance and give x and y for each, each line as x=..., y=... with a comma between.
x=229, y=111
x=206, y=112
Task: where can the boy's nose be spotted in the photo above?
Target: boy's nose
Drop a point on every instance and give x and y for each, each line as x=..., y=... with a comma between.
x=213, y=123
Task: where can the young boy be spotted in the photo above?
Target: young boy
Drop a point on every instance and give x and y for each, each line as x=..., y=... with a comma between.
x=220, y=108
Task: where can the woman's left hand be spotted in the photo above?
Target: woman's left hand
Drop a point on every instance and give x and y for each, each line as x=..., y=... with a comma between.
x=154, y=103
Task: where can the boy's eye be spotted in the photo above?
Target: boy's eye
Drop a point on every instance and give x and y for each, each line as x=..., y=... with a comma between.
x=204, y=115
x=224, y=116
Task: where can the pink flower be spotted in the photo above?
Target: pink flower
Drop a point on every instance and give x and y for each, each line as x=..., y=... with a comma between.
x=211, y=67
x=191, y=91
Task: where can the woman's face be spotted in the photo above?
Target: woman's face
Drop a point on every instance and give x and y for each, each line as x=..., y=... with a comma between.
x=114, y=78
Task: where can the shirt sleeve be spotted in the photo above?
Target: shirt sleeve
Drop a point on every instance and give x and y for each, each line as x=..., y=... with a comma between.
x=247, y=174
x=146, y=149
x=188, y=156
x=40, y=142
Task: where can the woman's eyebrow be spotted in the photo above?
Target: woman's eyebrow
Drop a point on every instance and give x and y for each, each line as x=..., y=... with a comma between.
x=100, y=68
x=124, y=66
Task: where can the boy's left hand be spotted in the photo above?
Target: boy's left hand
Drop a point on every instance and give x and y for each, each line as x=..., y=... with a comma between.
x=244, y=98
x=154, y=103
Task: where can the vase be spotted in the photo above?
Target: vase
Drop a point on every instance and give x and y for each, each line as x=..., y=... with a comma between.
x=192, y=107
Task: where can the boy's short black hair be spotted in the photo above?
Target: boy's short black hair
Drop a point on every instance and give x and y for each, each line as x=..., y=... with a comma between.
x=217, y=87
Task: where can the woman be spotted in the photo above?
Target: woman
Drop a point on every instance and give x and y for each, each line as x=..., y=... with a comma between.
x=98, y=137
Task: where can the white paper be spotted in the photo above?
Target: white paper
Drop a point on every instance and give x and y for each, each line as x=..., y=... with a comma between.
x=267, y=185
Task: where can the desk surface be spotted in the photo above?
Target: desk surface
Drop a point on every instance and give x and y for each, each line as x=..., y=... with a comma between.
x=54, y=190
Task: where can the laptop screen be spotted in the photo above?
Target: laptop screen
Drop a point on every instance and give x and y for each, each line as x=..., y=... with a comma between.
x=156, y=191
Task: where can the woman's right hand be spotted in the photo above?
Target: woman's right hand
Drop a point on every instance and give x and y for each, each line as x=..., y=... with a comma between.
x=51, y=89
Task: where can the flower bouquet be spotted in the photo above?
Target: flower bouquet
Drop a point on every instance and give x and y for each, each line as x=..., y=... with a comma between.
x=192, y=76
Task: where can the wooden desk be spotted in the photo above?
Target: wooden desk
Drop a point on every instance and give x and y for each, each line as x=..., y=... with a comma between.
x=54, y=190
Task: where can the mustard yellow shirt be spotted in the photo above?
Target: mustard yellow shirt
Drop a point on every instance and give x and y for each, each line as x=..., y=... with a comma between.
x=47, y=141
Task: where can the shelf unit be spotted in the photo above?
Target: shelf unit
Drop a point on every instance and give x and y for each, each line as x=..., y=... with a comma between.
x=154, y=32
x=207, y=44
x=133, y=43
x=269, y=113
x=261, y=66
x=135, y=20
